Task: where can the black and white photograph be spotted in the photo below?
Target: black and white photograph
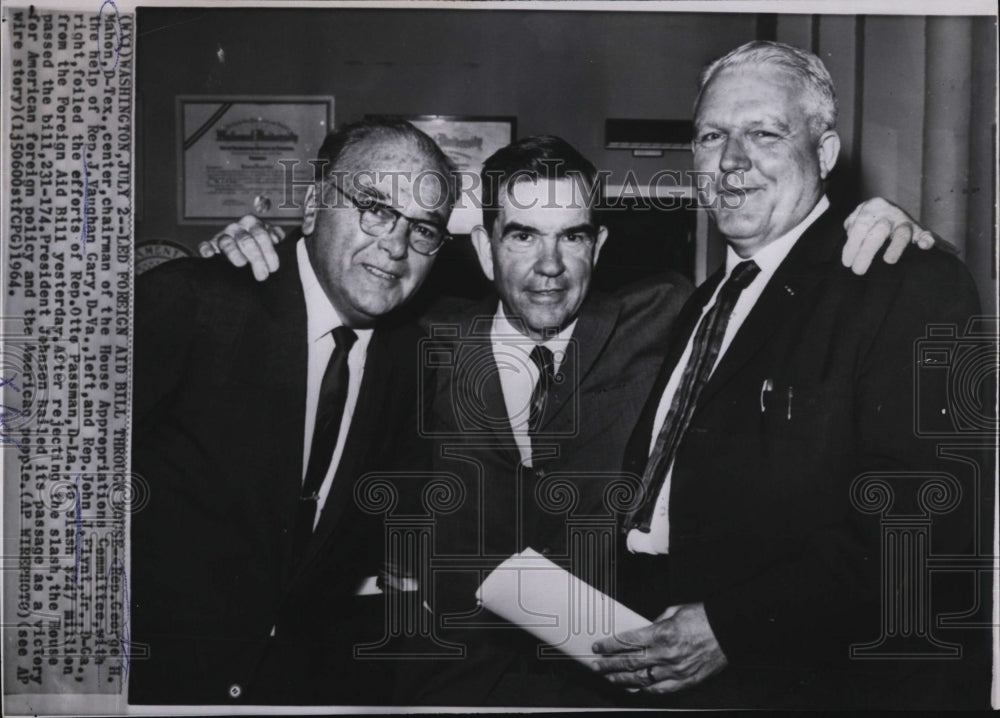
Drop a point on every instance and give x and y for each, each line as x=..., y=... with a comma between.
x=424, y=357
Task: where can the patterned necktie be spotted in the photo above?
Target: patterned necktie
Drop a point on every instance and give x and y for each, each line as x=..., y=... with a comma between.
x=542, y=357
x=329, y=410
x=704, y=352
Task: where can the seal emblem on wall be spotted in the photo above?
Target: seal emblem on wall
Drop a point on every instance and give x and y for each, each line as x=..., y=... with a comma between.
x=156, y=252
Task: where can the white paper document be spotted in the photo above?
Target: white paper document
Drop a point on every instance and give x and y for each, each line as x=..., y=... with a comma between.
x=554, y=605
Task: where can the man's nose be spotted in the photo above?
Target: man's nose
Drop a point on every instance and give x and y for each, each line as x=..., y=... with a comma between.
x=395, y=243
x=733, y=156
x=550, y=260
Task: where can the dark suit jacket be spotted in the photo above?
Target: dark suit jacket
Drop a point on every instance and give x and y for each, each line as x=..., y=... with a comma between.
x=220, y=385
x=613, y=357
x=762, y=526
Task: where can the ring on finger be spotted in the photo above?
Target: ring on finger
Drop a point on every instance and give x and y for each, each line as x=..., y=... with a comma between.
x=649, y=674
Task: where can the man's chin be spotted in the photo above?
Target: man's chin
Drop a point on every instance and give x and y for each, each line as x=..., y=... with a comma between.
x=736, y=226
x=547, y=325
x=367, y=314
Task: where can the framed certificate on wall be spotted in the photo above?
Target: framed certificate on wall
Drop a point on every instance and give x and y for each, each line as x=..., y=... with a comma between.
x=238, y=154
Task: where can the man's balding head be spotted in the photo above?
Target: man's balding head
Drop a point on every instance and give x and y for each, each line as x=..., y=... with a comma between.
x=384, y=197
x=351, y=148
x=764, y=136
x=817, y=86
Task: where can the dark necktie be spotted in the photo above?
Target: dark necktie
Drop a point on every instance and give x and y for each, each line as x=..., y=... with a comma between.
x=542, y=358
x=704, y=352
x=329, y=411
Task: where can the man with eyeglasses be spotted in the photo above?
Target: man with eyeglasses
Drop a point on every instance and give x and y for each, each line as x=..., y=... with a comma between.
x=536, y=392
x=378, y=219
x=257, y=406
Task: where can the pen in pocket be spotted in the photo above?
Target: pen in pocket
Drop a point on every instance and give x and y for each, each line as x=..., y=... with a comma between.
x=765, y=388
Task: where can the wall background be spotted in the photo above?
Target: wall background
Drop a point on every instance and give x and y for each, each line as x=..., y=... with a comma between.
x=917, y=94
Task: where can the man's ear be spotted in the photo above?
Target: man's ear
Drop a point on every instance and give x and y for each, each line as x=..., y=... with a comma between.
x=828, y=149
x=484, y=251
x=602, y=237
x=309, y=211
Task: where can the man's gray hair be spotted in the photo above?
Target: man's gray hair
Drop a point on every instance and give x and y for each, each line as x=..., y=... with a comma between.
x=341, y=142
x=816, y=80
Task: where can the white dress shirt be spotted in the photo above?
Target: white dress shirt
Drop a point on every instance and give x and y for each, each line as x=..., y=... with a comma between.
x=768, y=258
x=518, y=373
x=322, y=319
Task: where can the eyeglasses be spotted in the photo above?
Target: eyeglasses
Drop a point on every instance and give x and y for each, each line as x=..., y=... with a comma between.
x=378, y=219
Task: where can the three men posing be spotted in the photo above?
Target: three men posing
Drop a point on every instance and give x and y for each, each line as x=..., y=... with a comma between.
x=785, y=377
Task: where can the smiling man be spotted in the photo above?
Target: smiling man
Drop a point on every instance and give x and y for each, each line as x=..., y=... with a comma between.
x=545, y=378
x=788, y=380
x=536, y=393
x=540, y=249
x=256, y=408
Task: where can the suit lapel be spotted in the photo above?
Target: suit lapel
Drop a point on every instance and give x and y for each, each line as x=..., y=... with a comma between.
x=789, y=290
x=596, y=322
x=590, y=336
x=477, y=377
x=281, y=356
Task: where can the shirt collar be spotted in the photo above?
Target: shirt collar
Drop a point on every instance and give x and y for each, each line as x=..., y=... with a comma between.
x=321, y=316
x=772, y=254
x=504, y=332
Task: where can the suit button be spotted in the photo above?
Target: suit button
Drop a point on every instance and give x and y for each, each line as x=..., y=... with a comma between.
x=235, y=691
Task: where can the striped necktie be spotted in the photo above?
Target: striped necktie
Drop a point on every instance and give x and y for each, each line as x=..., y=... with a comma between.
x=704, y=352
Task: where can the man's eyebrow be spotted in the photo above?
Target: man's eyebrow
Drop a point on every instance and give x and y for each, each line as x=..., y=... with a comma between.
x=434, y=220
x=771, y=121
x=518, y=227
x=576, y=228
x=587, y=227
x=383, y=198
x=374, y=192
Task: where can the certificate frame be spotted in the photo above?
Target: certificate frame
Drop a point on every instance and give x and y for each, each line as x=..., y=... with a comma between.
x=467, y=140
x=213, y=131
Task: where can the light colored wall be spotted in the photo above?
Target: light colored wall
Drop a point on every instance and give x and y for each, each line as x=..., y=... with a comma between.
x=917, y=118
